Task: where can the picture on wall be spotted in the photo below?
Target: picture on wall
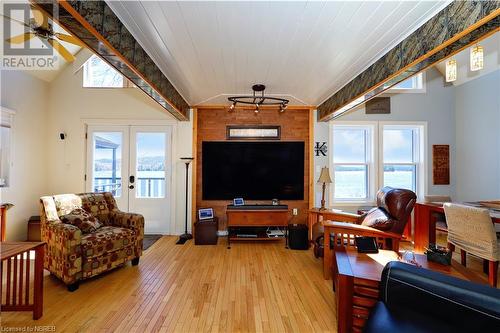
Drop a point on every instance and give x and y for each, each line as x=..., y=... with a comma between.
x=441, y=164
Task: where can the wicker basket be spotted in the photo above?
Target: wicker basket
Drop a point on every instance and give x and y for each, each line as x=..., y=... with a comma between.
x=439, y=254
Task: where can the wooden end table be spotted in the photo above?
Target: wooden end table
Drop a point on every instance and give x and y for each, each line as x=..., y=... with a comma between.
x=16, y=264
x=356, y=279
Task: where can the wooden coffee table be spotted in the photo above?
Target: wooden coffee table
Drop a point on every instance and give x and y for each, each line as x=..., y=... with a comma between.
x=356, y=278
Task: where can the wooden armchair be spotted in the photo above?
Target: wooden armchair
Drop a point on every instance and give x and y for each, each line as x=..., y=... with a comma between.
x=342, y=235
x=386, y=222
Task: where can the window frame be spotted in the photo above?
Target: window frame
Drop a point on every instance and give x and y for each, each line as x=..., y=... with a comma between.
x=420, y=77
x=86, y=68
x=370, y=158
x=419, y=143
x=375, y=159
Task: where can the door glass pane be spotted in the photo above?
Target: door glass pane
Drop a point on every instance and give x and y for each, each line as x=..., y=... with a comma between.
x=351, y=182
x=107, y=164
x=400, y=176
x=349, y=145
x=150, y=165
x=398, y=146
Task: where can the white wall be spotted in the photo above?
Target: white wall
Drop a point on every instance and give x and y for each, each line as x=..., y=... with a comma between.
x=320, y=135
x=71, y=106
x=44, y=165
x=478, y=138
x=435, y=106
x=27, y=96
x=465, y=116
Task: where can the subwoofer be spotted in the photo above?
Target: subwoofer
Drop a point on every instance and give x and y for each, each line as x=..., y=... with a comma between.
x=298, y=237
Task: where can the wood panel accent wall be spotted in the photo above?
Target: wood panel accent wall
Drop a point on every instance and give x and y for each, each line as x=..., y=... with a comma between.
x=295, y=126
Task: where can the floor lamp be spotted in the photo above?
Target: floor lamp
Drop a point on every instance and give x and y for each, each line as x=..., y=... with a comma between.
x=186, y=236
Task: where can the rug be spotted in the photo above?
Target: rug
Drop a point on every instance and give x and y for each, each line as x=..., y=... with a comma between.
x=149, y=240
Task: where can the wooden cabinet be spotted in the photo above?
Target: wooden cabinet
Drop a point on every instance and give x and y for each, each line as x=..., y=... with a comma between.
x=255, y=218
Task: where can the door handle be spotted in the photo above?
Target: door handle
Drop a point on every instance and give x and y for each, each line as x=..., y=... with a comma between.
x=131, y=179
x=131, y=187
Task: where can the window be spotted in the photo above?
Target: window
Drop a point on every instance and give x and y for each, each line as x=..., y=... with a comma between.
x=359, y=167
x=352, y=162
x=413, y=84
x=98, y=74
x=400, y=156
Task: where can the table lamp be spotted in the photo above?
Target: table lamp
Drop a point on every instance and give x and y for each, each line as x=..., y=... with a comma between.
x=324, y=178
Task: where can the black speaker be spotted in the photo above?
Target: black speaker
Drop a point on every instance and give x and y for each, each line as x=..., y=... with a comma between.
x=297, y=237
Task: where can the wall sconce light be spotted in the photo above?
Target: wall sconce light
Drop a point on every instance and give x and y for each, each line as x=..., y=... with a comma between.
x=451, y=70
x=476, y=58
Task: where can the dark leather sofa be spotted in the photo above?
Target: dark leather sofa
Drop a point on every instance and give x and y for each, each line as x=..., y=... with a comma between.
x=393, y=210
x=414, y=299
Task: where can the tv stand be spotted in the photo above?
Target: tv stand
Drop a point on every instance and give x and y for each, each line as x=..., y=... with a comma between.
x=256, y=218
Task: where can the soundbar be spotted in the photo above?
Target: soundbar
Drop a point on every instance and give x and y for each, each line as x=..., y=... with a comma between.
x=257, y=207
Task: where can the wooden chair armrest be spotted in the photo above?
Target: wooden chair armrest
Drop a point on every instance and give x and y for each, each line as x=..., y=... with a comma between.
x=348, y=215
x=342, y=216
x=356, y=229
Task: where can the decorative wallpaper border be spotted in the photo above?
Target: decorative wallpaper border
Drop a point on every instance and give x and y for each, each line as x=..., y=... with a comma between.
x=452, y=29
x=101, y=30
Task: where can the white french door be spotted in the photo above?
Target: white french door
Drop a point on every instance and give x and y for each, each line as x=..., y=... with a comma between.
x=134, y=163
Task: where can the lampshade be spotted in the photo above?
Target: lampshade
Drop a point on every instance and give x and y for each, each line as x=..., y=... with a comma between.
x=324, y=177
x=476, y=58
x=451, y=70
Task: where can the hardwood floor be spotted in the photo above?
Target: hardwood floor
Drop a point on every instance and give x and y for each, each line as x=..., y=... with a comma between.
x=254, y=287
x=186, y=288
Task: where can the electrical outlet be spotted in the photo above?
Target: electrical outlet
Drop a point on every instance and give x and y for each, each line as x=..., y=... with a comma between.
x=295, y=211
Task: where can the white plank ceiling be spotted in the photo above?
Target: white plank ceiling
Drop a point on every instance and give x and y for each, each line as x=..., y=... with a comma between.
x=305, y=51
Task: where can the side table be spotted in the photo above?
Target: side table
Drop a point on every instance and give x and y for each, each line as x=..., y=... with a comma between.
x=16, y=264
x=356, y=278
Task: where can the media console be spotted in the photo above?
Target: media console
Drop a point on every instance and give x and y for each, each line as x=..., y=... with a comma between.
x=256, y=219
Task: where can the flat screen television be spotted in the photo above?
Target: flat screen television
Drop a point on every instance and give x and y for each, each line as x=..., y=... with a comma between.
x=253, y=170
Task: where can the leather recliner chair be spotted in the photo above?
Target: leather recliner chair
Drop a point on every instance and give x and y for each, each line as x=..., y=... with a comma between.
x=415, y=299
x=393, y=210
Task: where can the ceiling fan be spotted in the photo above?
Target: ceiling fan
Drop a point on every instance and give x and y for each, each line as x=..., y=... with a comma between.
x=40, y=27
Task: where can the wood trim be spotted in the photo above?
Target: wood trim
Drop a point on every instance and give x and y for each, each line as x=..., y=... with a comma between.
x=332, y=116
x=251, y=107
x=179, y=114
x=311, y=158
x=103, y=40
x=325, y=115
x=453, y=39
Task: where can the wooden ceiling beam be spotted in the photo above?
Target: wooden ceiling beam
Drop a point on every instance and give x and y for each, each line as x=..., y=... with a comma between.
x=101, y=30
x=454, y=28
x=252, y=107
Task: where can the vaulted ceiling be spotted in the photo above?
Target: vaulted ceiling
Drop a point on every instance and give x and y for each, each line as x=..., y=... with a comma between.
x=305, y=51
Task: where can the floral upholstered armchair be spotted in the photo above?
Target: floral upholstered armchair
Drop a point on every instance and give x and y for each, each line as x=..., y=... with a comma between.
x=86, y=235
